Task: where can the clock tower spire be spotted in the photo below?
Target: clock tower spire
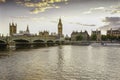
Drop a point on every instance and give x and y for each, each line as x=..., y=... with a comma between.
x=60, y=28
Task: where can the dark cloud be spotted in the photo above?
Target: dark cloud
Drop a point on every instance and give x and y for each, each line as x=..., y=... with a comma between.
x=112, y=19
x=111, y=22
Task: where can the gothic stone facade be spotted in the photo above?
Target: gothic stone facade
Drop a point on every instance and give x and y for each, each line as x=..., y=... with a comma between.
x=98, y=34
x=114, y=32
x=85, y=35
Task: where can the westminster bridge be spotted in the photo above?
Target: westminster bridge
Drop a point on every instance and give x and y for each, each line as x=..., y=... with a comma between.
x=28, y=41
x=37, y=41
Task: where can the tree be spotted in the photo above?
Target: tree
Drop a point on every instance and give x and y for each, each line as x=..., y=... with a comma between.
x=104, y=37
x=118, y=38
x=111, y=37
x=114, y=37
x=94, y=37
x=79, y=37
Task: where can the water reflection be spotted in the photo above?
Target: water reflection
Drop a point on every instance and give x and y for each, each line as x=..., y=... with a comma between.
x=61, y=63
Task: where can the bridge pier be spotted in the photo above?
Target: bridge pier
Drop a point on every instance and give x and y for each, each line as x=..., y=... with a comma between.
x=11, y=45
x=46, y=45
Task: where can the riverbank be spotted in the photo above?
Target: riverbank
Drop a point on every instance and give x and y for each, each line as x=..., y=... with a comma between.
x=78, y=43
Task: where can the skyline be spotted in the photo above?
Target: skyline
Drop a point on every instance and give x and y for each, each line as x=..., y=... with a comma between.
x=42, y=15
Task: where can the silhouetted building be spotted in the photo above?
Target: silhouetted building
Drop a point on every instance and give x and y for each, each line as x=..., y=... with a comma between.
x=12, y=29
x=24, y=33
x=44, y=34
x=27, y=30
x=84, y=35
x=112, y=32
x=98, y=34
x=67, y=38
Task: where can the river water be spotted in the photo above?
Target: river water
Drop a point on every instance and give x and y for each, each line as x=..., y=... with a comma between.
x=62, y=63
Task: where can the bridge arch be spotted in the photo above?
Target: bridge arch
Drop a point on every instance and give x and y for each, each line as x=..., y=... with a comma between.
x=62, y=42
x=3, y=45
x=50, y=43
x=57, y=42
x=38, y=43
x=20, y=40
x=1, y=41
x=22, y=43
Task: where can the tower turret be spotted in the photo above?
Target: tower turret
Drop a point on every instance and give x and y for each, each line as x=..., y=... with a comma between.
x=27, y=30
x=12, y=29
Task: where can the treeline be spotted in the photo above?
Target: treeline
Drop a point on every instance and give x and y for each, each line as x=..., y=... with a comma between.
x=110, y=38
x=103, y=38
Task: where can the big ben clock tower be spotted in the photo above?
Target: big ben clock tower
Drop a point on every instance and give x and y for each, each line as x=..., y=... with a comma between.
x=60, y=28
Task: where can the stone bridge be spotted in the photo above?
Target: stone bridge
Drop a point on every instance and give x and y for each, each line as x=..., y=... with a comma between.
x=28, y=41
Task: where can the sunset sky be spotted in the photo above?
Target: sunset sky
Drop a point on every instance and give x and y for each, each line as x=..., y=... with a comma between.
x=43, y=15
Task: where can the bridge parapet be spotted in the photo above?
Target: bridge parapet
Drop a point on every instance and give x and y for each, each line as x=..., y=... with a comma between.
x=45, y=39
x=32, y=38
x=13, y=38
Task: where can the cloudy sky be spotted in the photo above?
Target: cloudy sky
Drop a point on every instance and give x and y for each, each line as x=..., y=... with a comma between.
x=42, y=15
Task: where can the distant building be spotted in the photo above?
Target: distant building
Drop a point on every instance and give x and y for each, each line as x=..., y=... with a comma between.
x=113, y=32
x=66, y=36
x=12, y=29
x=84, y=34
x=46, y=35
x=24, y=33
x=98, y=34
x=42, y=34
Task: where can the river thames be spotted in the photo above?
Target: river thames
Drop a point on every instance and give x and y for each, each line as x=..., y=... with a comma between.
x=62, y=63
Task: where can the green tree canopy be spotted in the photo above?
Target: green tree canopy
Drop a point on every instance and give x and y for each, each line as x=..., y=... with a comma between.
x=79, y=37
x=104, y=37
x=94, y=37
x=118, y=38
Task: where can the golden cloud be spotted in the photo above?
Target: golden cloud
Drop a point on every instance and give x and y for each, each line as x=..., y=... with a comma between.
x=41, y=6
x=2, y=1
x=53, y=1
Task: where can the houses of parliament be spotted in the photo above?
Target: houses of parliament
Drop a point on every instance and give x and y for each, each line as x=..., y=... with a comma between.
x=42, y=34
x=59, y=35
